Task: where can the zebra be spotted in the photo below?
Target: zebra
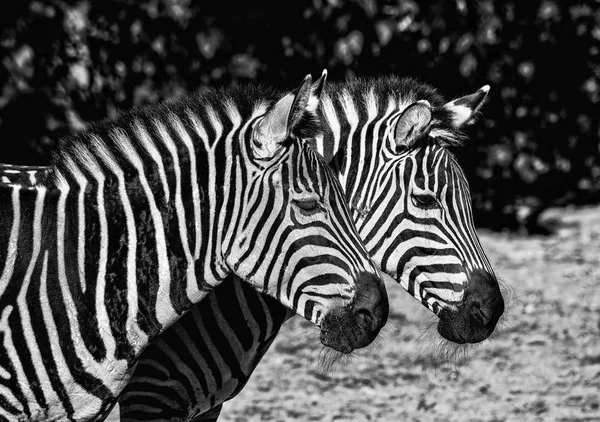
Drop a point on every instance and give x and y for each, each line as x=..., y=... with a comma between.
x=138, y=218
x=389, y=140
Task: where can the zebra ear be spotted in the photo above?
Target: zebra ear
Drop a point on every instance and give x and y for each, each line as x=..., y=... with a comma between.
x=414, y=122
x=315, y=92
x=465, y=109
x=281, y=121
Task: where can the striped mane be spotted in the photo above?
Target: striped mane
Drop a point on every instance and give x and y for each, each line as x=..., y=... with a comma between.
x=401, y=92
x=222, y=105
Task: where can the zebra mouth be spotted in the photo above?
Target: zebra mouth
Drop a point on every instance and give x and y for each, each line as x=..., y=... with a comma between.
x=346, y=331
x=460, y=327
x=355, y=326
x=476, y=317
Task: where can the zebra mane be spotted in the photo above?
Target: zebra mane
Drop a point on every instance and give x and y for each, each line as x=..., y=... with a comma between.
x=222, y=103
x=402, y=92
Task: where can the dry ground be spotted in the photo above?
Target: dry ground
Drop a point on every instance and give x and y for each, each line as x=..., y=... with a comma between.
x=543, y=364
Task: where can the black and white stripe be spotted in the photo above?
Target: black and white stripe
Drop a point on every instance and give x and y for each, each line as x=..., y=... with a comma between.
x=411, y=204
x=138, y=219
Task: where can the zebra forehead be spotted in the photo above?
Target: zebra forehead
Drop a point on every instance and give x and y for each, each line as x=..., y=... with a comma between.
x=437, y=162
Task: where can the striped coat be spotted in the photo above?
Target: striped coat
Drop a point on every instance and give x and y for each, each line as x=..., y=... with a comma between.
x=138, y=219
x=389, y=141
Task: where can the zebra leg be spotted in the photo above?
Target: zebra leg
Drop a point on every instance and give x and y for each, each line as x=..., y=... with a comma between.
x=211, y=416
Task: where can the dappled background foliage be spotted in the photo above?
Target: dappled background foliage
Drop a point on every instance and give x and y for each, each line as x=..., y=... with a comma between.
x=67, y=63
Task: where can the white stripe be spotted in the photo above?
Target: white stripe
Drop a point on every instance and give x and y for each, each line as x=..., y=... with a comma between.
x=135, y=335
x=11, y=254
x=80, y=398
x=4, y=374
x=334, y=126
x=216, y=124
x=352, y=118
x=358, y=189
x=165, y=313
x=148, y=144
x=82, y=182
x=23, y=307
x=381, y=224
x=212, y=255
x=8, y=342
x=111, y=371
x=457, y=232
x=13, y=356
x=89, y=162
x=231, y=168
x=32, y=177
x=8, y=396
x=192, y=284
x=185, y=137
x=378, y=163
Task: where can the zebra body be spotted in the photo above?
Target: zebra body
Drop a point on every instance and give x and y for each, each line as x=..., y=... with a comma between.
x=184, y=379
x=138, y=219
x=388, y=141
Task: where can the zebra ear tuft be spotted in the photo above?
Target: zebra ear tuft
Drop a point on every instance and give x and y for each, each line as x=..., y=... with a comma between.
x=315, y=92
x=281, y=121
x=464, y=109
x=414, y=122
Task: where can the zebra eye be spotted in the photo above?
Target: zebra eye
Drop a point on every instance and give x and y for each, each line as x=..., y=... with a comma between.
x=307, y=206
x=428, y=202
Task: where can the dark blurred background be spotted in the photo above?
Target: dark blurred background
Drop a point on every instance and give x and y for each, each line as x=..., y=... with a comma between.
x=536, y=145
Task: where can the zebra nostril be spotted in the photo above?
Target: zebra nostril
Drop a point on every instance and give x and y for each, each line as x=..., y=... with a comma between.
x=478, y=314
x=365, y=319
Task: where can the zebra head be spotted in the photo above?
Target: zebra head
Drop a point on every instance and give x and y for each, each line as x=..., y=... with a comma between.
x=295, y=239
x=410, y=199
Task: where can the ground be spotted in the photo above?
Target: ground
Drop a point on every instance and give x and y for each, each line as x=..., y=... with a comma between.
x=543, y=363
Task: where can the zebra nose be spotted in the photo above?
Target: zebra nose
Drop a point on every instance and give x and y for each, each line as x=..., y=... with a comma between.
x=371, y=307
x=355, y=326
x=480, y=315
x=485, y=304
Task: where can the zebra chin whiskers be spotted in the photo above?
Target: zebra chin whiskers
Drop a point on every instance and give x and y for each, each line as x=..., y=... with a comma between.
x=318, y=358
x=510, y=301
x=439, y=354
x=449, y=356
x=326, y=361
x=329, y=360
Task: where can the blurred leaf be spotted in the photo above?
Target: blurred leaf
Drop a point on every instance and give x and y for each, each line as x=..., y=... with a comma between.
x=65, y=64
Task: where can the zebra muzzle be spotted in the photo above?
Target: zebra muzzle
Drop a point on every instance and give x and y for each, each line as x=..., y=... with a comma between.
x=356, y=326
x=476, y=318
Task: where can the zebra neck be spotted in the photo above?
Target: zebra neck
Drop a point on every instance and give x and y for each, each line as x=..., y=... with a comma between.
x=139, y=240
x=353, y=143
x=124, y=253
x=87, y=279
x=110, y=249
